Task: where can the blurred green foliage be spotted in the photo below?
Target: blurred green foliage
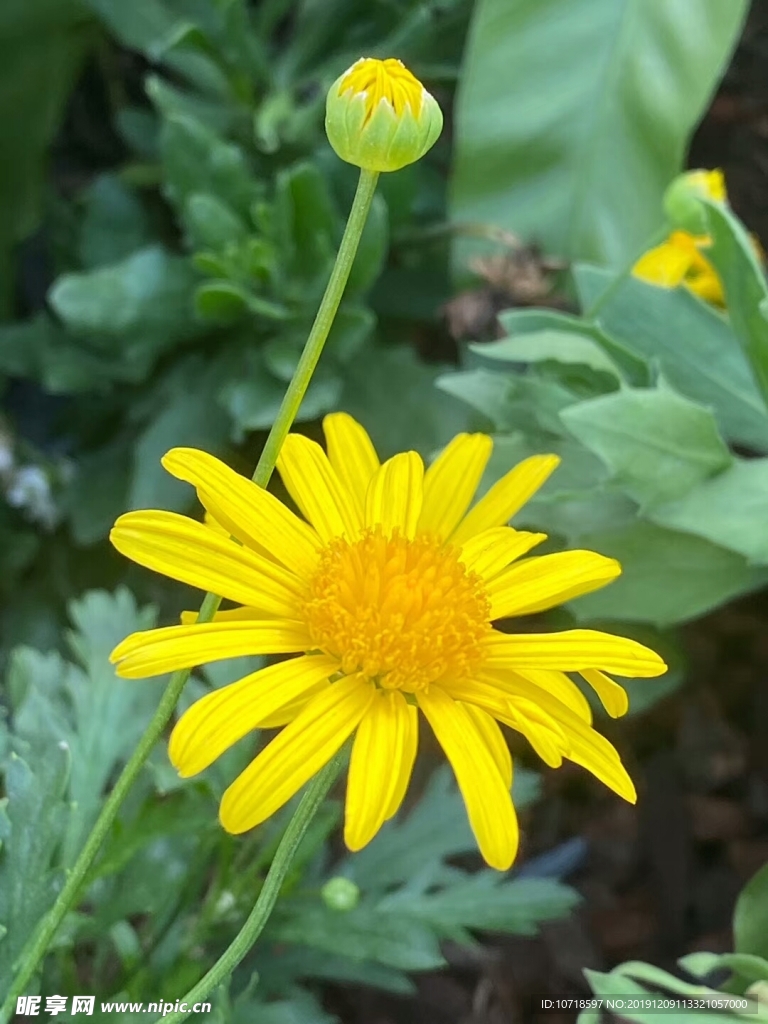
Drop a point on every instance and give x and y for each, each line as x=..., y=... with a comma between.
x=179, y=210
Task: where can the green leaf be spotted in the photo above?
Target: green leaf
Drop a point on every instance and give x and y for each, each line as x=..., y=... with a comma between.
x=134, y=310
x=97, y=715
x=550, y=345
x=305, y=219
x=750, y=918
x=364, y=933
x=693, y=345
x=746, y=291
x=436, y=829
x=564, y=134
x=42, y=47
x=485, y=901
x=210, y=222
x=279, y=967
x=749, y=967
x=667, y=577
x=187, y=416
x=425, y=420
x=114, y=222
x=510, y=401
x=33, y=818
x=657, y=443
x=372, y=250
x=729, y=509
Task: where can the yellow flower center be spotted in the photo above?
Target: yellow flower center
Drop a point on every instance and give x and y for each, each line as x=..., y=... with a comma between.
x=405, y=613
x=384, y=79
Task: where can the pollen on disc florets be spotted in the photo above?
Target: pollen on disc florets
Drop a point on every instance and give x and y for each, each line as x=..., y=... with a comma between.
x=405, y=613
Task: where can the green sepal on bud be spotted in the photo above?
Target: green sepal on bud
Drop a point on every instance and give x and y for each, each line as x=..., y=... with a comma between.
x=340, y=894
x=682, y=200
x=379, y=117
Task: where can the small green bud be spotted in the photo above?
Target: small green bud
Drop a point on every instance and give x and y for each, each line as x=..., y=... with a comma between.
x=340, y=894
x=682, y=200
x=378, y=116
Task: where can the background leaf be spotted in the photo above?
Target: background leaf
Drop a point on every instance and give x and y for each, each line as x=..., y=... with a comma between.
x=568, y=107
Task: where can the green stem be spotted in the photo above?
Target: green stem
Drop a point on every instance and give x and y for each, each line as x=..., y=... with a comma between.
x=254, y=925
x=31, y=957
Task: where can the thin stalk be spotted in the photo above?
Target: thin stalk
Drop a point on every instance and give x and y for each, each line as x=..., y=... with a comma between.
x=30, y=958
x=254, y=925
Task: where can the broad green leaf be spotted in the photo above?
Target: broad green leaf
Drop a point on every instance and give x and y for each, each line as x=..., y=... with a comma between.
x=114, y=222
x=363, y=933
x=746, y=290
x=548, y=344
x=730, y=510
x=657, y=443
x=210, y=222
x=693, y=345
x=372, y=251
x=750, y=918
x=749, y=967
x=134, y=310
x=574, y=115
x=510, y=401
x=305, y=220
x=33, y=818
x=42, y=46
x=528, y=321
x=667, y=577
x=485, y=901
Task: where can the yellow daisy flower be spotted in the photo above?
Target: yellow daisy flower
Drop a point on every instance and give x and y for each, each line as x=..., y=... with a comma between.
x=387, y=592
x=680, y=261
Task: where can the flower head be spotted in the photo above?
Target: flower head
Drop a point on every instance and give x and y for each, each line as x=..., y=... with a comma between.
x=680, y=261
x=380, y=117
x=386, y=593
x=682, y=200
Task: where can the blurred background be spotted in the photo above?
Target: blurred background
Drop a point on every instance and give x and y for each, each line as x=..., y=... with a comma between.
x=169, y=212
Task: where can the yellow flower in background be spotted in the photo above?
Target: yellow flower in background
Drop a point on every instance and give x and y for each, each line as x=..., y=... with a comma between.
x=680, y=261
x=380, y=117
x=386, y=592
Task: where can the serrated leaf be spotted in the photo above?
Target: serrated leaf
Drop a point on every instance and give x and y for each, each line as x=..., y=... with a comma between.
x=485, y=901
x=363, y=933
x=563, y=135
x=32, y=825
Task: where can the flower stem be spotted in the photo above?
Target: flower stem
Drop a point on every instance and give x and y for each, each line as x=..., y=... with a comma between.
x=254, y=925
x=30, y=958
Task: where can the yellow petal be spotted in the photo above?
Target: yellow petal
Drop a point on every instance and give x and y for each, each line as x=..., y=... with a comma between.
x=316, y=488
x=155, y=651
x=382, y=759
x=548, y=580
x=585, y=746
x=451, y=481
x=489, y=552
x=295, y=755
x=289, y=711
x=667, y=264
x=614, y=697
x=486, y=796
x=352, y=455
x=245, y=510
x=561, y=687
x=542, y=731
x=395, y=495
x=494, y=740
x=221, y=718
x=506, y=497
x=404, y=767
x=572, y=651
x=192, y=553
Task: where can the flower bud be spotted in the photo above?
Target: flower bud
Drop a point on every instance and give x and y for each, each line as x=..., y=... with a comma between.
x=340, y=893
x=682, y=199
x=378, y=116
